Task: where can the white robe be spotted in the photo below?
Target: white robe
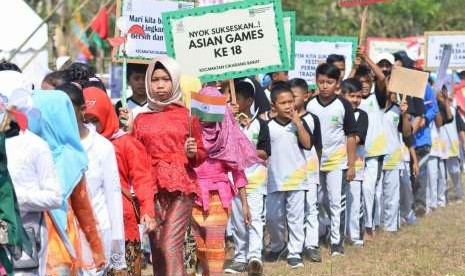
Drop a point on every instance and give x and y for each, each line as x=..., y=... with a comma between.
x=31, y=167
x=103, y=186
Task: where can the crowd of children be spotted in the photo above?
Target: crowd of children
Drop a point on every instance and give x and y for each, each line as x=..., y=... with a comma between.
x=287, y=170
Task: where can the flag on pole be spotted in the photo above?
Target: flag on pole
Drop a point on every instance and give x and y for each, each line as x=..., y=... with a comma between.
x=208, y=108
x=100, y=24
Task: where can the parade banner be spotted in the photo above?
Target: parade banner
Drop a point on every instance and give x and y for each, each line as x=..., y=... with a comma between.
x=228, y=41
x=147, y=14
x=310, y=51
x=289, y=23
x=408, y=82
x=351, y=3
x=435, y=42
x=414, y=46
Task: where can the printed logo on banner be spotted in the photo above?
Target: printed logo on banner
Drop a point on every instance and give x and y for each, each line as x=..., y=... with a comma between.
x=180, y=27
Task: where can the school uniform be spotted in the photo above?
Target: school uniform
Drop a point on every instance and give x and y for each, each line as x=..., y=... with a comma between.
x=287, y=183
x=453, y=162
x=354, y=189
x=337, y=122
x=311, y=225
x=406, y=190
x=249, y=240
x=391, y=169
x=436, y=179
x=375, y=147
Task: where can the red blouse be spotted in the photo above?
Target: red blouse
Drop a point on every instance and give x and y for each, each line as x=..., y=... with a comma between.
x=134, y=170
x=164, y=134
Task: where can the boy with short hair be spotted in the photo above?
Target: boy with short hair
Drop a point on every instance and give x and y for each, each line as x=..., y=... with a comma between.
x=311, y=250
x=136, y=80
x=339, y=61
x=338, y=128
x=373, y=103
x=290, y=135
x=248, y=241
x=351, y=90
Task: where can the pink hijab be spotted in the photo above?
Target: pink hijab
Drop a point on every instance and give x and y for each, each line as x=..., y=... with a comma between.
x=226, y=142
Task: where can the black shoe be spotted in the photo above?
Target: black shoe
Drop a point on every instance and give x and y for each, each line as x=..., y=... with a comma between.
x=337, y=250
x=236, y=267
x=312, y=254
x=273, y=257
x=420, y=211
x=255, y=267
x=295, y=262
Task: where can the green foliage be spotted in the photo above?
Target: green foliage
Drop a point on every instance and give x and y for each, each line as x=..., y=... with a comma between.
x=399, y=18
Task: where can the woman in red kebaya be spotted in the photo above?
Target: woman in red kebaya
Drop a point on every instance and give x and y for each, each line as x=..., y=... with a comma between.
x=134, y=172
x=175, y=147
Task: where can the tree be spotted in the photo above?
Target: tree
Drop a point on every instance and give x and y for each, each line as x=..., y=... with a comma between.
x=399, y=18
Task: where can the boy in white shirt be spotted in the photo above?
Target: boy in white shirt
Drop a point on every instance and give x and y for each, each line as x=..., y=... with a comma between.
x=338, y=129
x=287, y=177
x=351, y=90
x=299, y=88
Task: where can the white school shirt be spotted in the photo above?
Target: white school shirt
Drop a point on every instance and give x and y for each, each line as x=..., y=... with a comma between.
x=257, y=174
x=362, y=127
x=287, y=165
x=376, y=140
x=439, y=141
x=33, y=173
x=337, y=121
x=313, y=161
x=103, y=186
x=453, y=136
x=394, y=157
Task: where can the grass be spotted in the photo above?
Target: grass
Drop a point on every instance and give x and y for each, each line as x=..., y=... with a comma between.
x=435, y=245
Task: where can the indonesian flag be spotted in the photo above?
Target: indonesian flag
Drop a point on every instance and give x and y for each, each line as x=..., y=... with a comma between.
x=208, y=108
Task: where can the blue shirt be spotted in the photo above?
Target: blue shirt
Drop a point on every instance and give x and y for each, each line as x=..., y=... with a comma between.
x=423, y=136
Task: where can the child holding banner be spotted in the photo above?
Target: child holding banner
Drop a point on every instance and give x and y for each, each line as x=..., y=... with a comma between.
x=249, y=240
x=373, y=104
x=299, y=89
x=173, y=141
x=396, y=120
x=290, y=135
x=338, y=128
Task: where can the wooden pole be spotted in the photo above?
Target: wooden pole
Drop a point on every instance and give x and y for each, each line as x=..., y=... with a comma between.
x=232, y=91
x=363, y=27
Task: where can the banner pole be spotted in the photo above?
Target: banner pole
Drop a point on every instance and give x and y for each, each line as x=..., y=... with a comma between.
x=232, y=91
x=363, y=26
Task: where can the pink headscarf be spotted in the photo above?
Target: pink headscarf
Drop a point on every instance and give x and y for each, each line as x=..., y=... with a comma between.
x=226, y=142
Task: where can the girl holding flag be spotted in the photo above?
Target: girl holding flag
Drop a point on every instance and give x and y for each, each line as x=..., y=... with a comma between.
x=229, y=151
x=173, y=141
